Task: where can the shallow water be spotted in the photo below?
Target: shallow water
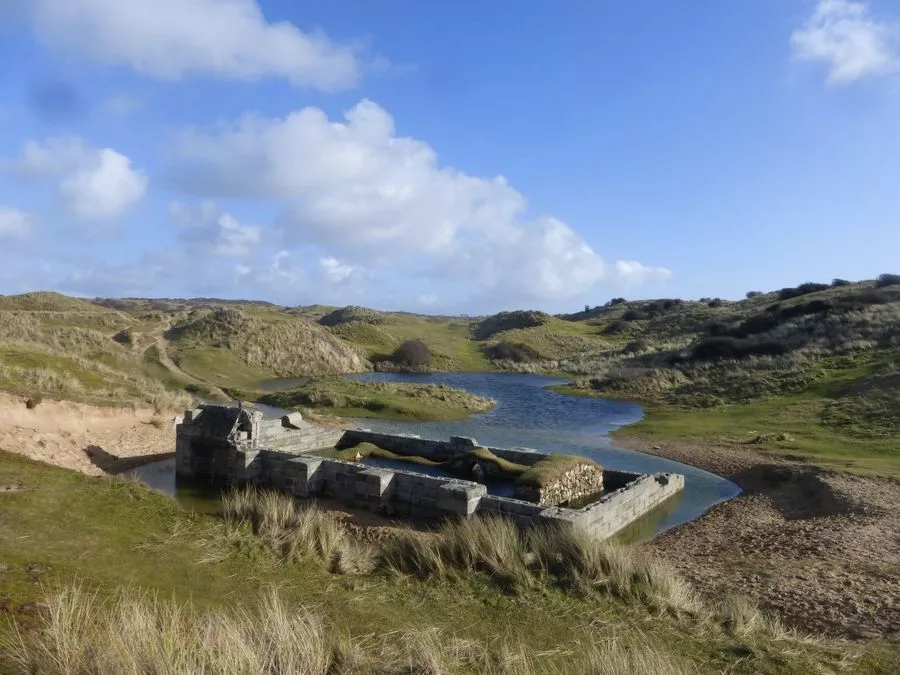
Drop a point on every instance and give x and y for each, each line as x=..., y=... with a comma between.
x=527, y=415
x=530, y=415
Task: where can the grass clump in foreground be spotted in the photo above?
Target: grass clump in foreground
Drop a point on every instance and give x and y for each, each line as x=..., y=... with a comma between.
x=354, y=398
x=136, y=632
x=514, y=559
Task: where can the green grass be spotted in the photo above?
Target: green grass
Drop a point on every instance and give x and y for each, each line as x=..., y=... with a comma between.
x=110, y=534
x=155, y=370
x=800, y=424
x=220, y=366
x=389, y=400
x=798, y=418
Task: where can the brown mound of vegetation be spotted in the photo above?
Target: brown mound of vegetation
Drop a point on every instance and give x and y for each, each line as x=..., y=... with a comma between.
x=350, y=314
x=291, y=347
x=498, y=323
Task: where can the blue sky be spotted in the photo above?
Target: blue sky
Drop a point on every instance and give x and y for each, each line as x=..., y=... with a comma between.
x=446, y=157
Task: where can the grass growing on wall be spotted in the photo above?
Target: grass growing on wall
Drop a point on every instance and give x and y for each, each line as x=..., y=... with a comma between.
x=545, y=472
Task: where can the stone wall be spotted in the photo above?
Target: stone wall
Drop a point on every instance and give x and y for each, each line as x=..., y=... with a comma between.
x=222, y=442
x=407, y=493
x=240, y=446
x=582, y=480
x=393, y=492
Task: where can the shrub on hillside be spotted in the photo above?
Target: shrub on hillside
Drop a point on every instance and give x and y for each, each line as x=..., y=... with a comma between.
x=716, y=328
x=887, y=280
x=753, y=294
x=635, y=315
x=509, y=351
x=498, y=323
x=717, y=348
x=715, y=302
x=616, y=301
x=636, y=347
x=616, y=328
x=802, y=289
x=837, y=283
x=758, y=323
x=123, y=337
x=33, y=402
x=412, y=354
x=352, y=313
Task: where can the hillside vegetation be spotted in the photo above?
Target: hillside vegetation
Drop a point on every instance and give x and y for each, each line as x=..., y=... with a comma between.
x=350, y=398
x=70, y=348
x=808, y=370
x=811, y=370
x=284, y=347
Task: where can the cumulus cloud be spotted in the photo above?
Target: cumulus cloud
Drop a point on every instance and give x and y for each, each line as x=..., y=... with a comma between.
x=842, y=35
x=335, y=271
x=15, y=224
x=359, y=190
x=219, y=233
x=170, y=39
x=92, y=183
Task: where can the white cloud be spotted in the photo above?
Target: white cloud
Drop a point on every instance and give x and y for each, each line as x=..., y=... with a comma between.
x=334, y=270
x=631, y=272
x=170, y=39
x=841, y=34
x=215, y=231
x=15, y=224
x=92, y=183
x=370, y=197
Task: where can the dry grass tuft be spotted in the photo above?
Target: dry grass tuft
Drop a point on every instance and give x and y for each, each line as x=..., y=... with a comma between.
x=296, y=530
x=516, y=560
x=135, y=633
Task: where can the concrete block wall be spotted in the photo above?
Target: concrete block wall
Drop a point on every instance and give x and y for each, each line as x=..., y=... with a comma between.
x=387, y=491
x=407, y=493
x=222, y=442
x=618, y=509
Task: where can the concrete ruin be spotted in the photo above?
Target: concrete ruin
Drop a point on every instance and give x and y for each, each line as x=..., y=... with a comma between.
x=221, y=443
x=238, y=446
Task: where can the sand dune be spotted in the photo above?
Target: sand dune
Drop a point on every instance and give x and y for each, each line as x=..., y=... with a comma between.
x=64, y=433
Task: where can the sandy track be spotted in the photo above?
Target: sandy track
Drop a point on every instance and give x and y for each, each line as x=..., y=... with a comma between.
x=65, y=433
x=819, y=548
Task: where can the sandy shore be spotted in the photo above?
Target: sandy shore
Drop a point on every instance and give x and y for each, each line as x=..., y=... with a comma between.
x=820, y=549
x=87, y=438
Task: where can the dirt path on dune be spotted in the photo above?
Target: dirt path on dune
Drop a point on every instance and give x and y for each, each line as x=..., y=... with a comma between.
x=162, y=345
x=91, y=439
x=820, y=549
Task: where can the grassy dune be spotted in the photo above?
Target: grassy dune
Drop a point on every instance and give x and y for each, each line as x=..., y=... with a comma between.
x=277, y=583
x=349, y=398
x=809, y=371
x=69, y=348
x=828, y=389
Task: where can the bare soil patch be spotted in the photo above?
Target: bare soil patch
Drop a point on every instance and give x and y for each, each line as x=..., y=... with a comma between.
x=819, y=548
x=74, y=435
